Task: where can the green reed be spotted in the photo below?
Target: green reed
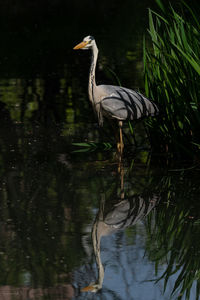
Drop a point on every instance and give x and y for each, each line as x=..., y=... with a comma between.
x=172, y=78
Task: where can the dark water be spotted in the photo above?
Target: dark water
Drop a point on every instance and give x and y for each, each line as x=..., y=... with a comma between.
x=59, y=200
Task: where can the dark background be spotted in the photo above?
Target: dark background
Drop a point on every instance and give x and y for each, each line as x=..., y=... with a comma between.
x=37, y=36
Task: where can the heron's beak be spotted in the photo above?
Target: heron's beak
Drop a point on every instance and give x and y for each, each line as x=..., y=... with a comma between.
x=80, y=45
x=88, y=288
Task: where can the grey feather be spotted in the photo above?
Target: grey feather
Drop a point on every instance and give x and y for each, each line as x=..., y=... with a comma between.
x=124, y=104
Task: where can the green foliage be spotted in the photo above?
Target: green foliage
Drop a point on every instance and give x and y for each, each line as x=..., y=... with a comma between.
x=91, y=146
x=172, y=78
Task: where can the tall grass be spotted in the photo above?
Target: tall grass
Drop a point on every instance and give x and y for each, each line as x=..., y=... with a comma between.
x=172, y=78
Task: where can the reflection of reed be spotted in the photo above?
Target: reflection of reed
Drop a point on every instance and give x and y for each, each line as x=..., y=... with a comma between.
x=174, y=236
x=23, y=293
x=35, y=212
x=126, y=212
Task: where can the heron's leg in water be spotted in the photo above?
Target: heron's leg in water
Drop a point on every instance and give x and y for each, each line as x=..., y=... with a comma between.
x=122, y=182
x=120, y=145
x=117, y=136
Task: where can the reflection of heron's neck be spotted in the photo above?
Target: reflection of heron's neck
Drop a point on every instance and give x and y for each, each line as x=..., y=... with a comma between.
x=92, y=81
x=96, y=238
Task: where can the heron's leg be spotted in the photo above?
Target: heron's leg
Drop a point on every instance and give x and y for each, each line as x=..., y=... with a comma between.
x=114, y=128
x=122, y=182
x=121, y=144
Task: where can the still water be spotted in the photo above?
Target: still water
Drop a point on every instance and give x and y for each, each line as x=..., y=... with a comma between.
x=56, y=205
x=71, y=216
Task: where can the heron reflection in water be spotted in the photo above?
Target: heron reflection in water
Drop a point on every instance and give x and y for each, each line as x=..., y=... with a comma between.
x=114, y=102
x=126, y=212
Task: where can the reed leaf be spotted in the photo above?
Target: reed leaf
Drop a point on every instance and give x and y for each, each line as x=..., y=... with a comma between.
x=172, y=79
x=160, y=4
x=194, y=17
x=190, y=59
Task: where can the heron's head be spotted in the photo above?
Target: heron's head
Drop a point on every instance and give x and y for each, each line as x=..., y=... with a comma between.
x=93, y=288
x=86, y=44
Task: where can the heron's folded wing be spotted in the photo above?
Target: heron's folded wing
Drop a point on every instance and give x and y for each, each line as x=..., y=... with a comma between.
x=122, y=103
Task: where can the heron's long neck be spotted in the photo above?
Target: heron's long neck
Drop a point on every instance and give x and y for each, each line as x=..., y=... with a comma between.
x=96, y=239
x=92, y=81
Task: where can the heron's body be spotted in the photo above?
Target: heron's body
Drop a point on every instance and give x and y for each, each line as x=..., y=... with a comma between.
x=114, y=102
x=122, y=104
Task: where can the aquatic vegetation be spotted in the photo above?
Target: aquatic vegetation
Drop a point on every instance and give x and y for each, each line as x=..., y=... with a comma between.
x=172, y=78
x=92, y=146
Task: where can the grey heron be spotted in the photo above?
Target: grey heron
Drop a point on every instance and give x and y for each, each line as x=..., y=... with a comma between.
x=114, y=102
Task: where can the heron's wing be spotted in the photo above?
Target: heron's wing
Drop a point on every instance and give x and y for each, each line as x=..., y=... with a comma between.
x=122, y=103
x=130, y=211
